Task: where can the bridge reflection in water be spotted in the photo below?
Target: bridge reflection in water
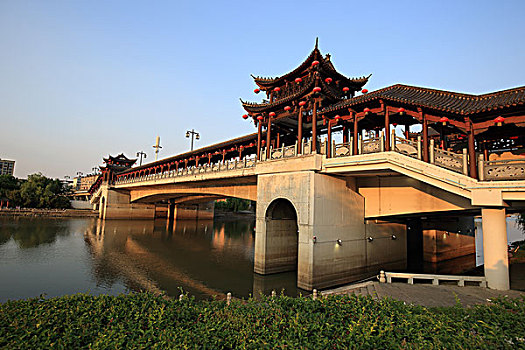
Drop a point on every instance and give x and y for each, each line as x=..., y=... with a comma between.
x=204, y=258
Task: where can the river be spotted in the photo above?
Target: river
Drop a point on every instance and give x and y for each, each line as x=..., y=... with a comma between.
x=65, y=256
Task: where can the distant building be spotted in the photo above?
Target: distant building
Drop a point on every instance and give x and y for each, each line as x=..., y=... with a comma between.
x=83, y=183
x=7, y=167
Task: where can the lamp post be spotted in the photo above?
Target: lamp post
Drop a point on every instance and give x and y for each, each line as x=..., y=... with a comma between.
x=194, y=135
x=141, y=154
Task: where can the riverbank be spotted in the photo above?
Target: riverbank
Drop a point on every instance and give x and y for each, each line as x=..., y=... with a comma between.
x=335, y=322
x=52, y=213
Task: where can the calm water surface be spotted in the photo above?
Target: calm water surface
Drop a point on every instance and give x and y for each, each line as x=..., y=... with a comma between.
x=66, y=256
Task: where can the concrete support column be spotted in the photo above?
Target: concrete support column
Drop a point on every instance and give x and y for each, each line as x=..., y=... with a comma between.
x=495, y=248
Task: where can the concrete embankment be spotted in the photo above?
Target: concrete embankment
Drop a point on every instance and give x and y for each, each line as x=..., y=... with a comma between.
x=54, y=213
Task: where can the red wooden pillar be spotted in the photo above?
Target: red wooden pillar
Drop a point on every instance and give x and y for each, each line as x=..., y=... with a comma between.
x=425, y=136
x=471, y=150
x=356, y=132
x=387, y=129
x=314, y=127
x=259, y=126
x=329, y=139
x=407, y=131
x=345, y=132
x=278, y=142
x=300, y=131
x=268, y=137
x=240, y=152
x=209, y=158
x=186, y=163
x=224, y=155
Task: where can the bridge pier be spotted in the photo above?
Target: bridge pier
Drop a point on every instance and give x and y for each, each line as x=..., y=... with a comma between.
x=315, y=223
x=495, y=253
x=191, y=211
x=116, y=204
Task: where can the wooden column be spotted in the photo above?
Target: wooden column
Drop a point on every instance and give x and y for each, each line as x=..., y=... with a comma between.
x=223, y=155
x=407, y=131
x=240, y=152
x=259, y=126
x=314, y=127
x=356, y=132
x=300, y=131
x=425, y=137
x=329, y=139
x=387, y=130
x=345, y=132
x=471, y=150
x=268, y=137
x=278, y=142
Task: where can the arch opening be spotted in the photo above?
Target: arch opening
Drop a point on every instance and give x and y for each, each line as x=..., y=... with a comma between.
x=282, y=236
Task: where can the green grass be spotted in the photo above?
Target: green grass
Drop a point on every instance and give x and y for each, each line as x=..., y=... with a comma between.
x=144, y=321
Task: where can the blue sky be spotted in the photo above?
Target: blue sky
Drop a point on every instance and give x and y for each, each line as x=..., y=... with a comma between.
x=83, y=79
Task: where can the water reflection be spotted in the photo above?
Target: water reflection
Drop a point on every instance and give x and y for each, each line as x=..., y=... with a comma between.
x=204, y=258
x=31, y=232
x=67, y=256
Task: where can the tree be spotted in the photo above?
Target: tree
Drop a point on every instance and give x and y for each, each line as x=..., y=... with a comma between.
x=41, y=192
x=9, y=189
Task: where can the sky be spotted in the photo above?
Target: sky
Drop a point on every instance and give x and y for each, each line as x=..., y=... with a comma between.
x=83, y=79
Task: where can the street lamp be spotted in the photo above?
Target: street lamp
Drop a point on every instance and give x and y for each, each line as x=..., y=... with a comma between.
x=141, y=154
x=194, y=134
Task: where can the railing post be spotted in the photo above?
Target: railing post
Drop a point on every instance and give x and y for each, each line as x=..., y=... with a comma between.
x=419, y=156
x=295, y=149
x=465, y=162
x=332, y=150
x=326, y=147
x=382, y=141
x=360, y=150
x=351, y=145
x=393, y=140
x=431, y=151
x=481, y=171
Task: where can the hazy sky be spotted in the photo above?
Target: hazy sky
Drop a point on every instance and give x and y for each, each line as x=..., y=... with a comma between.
x=83, y=79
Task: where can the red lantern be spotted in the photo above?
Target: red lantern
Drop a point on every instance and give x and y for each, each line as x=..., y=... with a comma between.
x=401, y=111
x=317, y=89
x=256, y=91
x=337, y=118
x=302, y=103
x=346, y=89
x=263, y=142
x=394, y=124
x=328, y=80
x=287, y=108
x=364, y=91
x=259, y=118
x=499, y=120
x=366, y=110
x=272, y=114
x=245, y=116
x=443, y=120
x=232, y=149
x=298, y=80
x=277, y=89
x=251, y=144
x=315, y=63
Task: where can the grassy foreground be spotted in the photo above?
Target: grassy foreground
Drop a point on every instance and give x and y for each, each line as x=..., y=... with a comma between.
x=145, y=321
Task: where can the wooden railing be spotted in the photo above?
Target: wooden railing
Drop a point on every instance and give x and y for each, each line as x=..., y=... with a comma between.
x=411, y=278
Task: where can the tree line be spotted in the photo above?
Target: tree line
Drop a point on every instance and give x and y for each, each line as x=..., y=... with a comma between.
x=37, y=191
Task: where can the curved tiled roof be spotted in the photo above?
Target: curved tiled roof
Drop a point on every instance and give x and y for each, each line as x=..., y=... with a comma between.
x=445, y=101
